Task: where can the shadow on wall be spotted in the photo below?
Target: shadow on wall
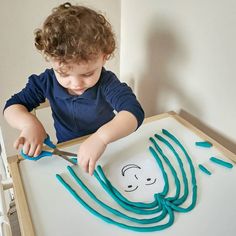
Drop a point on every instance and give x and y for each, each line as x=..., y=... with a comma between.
x=159, y=87
x=229, y=144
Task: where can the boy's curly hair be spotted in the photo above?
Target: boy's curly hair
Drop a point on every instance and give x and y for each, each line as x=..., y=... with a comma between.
x=75, y=33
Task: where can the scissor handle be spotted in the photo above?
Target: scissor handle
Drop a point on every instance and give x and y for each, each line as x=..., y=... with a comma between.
x=42, y=154
x=46, y=141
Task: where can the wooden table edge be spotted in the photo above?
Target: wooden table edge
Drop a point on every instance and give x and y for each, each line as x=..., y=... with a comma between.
x=23, y=213
x=26, y=225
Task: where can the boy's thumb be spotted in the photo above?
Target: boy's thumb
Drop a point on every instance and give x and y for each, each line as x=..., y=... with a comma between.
x=19, y=142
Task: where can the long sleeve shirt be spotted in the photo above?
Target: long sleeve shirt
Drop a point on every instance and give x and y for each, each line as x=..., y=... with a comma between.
x=78, y=115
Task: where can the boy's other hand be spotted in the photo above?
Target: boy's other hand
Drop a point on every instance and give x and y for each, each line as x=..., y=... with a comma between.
x=31, y=139
x=90, y=151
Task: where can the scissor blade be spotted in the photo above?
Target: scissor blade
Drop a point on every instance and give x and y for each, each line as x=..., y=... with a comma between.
x=67, y=153
x=66, y=158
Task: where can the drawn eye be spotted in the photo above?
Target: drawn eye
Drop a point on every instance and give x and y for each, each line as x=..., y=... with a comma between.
x=149, y=179
x=131, y=190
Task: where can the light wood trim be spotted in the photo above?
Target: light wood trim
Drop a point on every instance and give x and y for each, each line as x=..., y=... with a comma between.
x=158, y=117
x=81, y=139
x=201, y=134
x=23, y=213
x=204, y=136
x=72, y=142
x=21, y=203
x=184, y=122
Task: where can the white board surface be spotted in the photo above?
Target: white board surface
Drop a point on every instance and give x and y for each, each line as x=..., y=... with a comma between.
x=55, y=212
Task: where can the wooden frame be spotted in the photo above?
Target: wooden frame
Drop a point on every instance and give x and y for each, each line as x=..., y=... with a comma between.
x=26, y=225
x=24, y=218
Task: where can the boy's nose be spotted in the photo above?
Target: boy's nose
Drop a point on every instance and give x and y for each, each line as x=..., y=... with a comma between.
x=77, y=82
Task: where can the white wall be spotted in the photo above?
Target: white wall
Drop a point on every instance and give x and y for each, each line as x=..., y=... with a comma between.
x=180, y=55
x=18, y=56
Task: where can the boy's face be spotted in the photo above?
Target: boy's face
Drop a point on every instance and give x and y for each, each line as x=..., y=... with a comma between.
x=77, y=78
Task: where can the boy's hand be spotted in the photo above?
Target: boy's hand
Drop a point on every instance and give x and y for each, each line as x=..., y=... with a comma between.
x=31, y=139
x=90, y=151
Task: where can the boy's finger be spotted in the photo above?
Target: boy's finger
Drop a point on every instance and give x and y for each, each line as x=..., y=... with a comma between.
x=38, y=150
x=32, y=150
x=19, y=142
x=91, y=167
x=26, y=148
x=84, y=164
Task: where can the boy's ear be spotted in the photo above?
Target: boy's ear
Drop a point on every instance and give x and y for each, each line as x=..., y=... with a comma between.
x=105, y=58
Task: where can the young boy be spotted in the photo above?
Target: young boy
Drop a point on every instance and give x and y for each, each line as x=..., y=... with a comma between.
x=76, y=41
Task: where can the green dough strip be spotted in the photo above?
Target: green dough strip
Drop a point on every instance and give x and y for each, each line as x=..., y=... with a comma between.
x=113, y=191
x=112, y=210
x=123, y=203
x=155, y=203
x=159, y=162
x=205, y=144
x=185, y=180
x=204, y=169
x=221, y=162
x=166, y=205
x=117, y=194
x=109, y=220
x=193, y=177
x=194, y=188
x=171, y=168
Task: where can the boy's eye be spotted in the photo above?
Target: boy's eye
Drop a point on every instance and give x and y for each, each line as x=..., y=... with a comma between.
x=88, y=75
x=61, y=74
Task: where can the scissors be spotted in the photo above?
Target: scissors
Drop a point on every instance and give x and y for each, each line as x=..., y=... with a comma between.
x=56, y=151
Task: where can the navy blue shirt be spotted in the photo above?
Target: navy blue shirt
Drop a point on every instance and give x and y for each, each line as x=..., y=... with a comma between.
x=78, y=115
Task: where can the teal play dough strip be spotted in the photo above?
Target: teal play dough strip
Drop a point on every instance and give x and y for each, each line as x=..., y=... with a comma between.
x=204, y=169
x=177, y=182
x=139, y=204
x=193, y=177
x=112, y=210
x=221, y=162
x=74, y=159
x=185, y=180
x=117, y=194
x=203, y=144
x=158, y=160
x=108, y=220
x=123, y=203
x=194, y=186
x=113, y=191
x=166, y=205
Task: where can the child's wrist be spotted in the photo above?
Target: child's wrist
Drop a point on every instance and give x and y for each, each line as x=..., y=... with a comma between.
x=32, y=122
x=102, y=136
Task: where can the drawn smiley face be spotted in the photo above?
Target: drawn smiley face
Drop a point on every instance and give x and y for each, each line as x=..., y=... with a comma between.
x=135, y=172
